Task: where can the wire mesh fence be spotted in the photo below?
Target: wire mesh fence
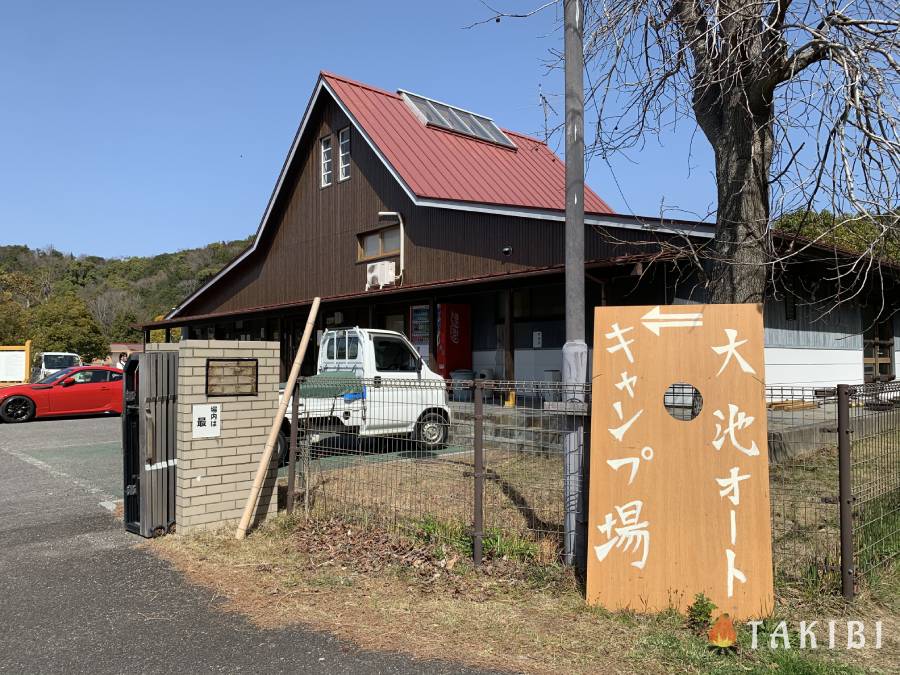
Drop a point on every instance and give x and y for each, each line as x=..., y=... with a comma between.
x=463, y=461
x=875, y=474
x=803, y=484
x=401, y=453
x=384, y=452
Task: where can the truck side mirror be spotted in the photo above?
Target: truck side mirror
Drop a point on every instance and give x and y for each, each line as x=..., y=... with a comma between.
x=420, y=362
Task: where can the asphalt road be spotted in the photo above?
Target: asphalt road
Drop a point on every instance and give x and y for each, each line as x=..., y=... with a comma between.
x=76, y=595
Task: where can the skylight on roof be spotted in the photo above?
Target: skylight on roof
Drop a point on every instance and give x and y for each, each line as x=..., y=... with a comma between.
x=456, y=119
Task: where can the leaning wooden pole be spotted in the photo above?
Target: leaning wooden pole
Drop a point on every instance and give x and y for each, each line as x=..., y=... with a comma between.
x=266, y=458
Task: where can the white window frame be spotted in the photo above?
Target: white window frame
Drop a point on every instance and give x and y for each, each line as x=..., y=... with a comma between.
x=326, y=162
x=344, y=155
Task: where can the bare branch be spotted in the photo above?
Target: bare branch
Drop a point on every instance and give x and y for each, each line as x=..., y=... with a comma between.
x=496, y=15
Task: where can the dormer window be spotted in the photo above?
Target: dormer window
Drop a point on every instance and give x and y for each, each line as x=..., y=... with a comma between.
x=344, y=153
x=326, y=161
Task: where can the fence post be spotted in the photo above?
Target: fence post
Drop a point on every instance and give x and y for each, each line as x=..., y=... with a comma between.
x=292, y=448
x=478, y=450
x=845, y=492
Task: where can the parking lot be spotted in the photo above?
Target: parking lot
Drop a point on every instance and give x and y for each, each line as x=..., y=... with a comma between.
x=81, y=595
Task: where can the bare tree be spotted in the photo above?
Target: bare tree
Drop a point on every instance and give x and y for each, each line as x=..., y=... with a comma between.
x=797, y=98
x=107, y=305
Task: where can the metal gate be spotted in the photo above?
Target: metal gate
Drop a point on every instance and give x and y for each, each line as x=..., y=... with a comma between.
x=149, y=442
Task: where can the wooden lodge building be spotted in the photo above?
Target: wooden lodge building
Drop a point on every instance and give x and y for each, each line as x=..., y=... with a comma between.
x=406, y=213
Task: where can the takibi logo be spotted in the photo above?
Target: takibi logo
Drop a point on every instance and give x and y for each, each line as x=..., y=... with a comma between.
x=808, y=635
x=820, y=635
x=722, y=634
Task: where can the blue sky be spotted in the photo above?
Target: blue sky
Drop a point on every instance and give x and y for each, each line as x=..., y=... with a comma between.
x=133, y=128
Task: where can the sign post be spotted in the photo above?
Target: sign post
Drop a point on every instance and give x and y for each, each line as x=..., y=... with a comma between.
x=679, y=489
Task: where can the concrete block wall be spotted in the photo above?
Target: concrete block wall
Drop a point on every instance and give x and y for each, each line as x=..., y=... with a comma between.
x=214, y=475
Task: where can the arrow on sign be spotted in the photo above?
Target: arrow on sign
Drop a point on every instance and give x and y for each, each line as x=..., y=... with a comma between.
x=655, y=320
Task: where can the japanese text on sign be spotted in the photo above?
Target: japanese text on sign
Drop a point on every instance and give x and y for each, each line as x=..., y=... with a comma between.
x=207, y=420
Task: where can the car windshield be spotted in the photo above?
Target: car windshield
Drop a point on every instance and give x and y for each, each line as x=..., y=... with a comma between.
x=58, y=375
x=60, y=360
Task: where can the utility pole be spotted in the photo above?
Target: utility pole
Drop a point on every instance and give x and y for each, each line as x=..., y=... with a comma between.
x=575, y=349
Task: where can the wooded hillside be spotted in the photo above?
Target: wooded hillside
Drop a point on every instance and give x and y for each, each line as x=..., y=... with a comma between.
x=82, y=303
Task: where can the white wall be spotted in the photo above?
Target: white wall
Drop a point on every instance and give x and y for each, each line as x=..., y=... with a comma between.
x=784, y=367
x=530, y=364
x=813, y=367
x=492, y=359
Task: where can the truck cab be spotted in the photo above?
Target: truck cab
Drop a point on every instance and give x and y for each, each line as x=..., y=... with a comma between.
x=374, y=383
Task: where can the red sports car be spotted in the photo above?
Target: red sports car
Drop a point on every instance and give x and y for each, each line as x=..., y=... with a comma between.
x=80, y=390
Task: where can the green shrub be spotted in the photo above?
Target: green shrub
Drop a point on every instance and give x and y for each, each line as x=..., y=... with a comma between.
x=699, y=613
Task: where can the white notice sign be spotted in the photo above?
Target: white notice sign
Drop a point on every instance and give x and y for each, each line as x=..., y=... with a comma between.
x=207, y=420
x=12, y=366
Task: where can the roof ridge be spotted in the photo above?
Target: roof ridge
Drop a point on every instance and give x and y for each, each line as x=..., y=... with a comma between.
x=357, y=83
x=526, y=136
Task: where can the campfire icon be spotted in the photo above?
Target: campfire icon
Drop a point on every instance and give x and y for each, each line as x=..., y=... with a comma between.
x=722, y=634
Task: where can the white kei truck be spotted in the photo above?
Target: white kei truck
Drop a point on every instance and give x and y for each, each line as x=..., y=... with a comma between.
x=51, y=362
x=371, y=383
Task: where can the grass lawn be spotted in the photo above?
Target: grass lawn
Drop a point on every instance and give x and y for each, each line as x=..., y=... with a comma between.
x=384, y=561
x=412, y=594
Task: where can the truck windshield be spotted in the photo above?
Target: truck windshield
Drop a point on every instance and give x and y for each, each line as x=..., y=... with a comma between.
x=58, y=375
x=55, y=361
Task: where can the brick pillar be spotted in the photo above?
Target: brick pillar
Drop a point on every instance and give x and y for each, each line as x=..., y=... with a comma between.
x=215, y=474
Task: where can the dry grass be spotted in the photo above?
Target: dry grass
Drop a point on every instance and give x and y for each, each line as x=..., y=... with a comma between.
x=522, y=496
x=387, y=592
x=806, y=519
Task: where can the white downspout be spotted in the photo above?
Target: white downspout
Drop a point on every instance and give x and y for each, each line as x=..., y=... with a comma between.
x=402, y=247
x=396, y=214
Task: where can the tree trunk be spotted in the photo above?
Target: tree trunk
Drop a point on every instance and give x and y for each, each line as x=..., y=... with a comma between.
x=743, y=150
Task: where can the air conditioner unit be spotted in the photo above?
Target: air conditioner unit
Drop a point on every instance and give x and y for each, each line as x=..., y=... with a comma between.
x=380, y=274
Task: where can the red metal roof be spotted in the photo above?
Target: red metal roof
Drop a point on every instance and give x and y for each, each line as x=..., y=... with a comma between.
x=440, y=164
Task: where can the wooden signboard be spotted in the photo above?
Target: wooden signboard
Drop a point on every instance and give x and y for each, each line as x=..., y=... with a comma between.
x=679, y=506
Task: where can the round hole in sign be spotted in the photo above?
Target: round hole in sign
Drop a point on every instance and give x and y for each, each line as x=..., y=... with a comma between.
x=683, y=401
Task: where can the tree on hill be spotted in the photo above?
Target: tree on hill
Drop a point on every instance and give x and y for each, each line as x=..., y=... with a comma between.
x=118, y=291
x=64, y=324
x=844, y=231
x=20, y=287
x=122, y=328
x=12, y=322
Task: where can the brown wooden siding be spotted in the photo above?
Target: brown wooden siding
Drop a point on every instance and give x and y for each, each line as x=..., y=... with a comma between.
x=310, y=247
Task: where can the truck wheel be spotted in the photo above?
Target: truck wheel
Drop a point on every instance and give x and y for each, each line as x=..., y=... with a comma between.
x=281, y=445
x=432, y=430
x=17, y=409
x=281, y=448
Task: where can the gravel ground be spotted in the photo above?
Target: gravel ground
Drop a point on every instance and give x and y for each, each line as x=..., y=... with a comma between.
x=79, y=595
